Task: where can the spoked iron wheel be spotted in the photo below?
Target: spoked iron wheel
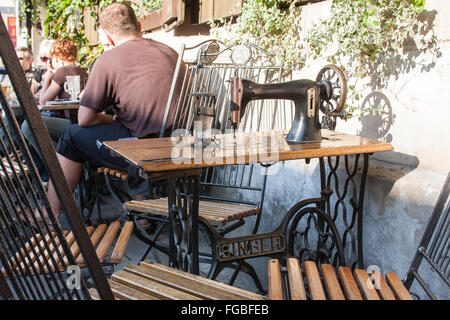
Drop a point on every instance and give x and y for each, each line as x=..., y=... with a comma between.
x=312, y=236
x=206, y=248
x=85, y=193
x=332, y=102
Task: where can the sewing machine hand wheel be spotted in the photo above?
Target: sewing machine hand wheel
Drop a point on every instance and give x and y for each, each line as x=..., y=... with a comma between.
x=334, y=80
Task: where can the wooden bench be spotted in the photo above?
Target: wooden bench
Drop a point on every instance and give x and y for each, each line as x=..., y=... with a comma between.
x=113, y=173
x=36, y=250
x=154, y=281
x=311, y=283
x=10, y=169
x=216, y=213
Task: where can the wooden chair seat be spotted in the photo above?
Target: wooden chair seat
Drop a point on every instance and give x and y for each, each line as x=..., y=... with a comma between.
x=113, y=172
x=102, y=238
x=9, y=170
x=310, y=283
x=216, y=213
x=154, y=281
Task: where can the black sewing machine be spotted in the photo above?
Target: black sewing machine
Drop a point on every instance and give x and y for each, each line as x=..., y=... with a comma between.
x=327, y=94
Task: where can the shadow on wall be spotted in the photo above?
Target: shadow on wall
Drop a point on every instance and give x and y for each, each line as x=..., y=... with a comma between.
x=393, y=63
x=376, y=113
x=378, y=119
x=376, y=124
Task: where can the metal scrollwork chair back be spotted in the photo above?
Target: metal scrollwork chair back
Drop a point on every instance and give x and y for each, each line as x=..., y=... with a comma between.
x=36, y=260
x=434, y=246
x=229, y=194
x=313, y=280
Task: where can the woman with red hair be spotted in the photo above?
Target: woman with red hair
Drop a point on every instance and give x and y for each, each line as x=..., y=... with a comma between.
x=63, y=55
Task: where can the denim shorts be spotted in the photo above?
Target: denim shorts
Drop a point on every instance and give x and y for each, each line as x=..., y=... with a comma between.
x=82, y=144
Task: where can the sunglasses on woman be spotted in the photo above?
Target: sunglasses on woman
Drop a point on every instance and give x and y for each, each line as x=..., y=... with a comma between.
x=45, y=59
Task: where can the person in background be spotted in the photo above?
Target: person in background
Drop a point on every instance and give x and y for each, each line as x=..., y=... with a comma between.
x=25, y=57
x=103, y=40
x=43, y=64
x=63, y=55
x=61, y=63
x=137, y=88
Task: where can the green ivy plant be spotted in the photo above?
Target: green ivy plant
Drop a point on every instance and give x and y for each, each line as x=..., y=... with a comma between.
x=358, y=34
x=269, y=24
x=64, y=20
x=30, y=7
x=361, y=34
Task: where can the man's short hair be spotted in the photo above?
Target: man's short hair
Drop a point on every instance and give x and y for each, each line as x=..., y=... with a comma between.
x=119, y=18
x=27, y=52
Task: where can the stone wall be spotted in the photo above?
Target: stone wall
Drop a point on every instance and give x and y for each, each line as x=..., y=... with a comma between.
x=403, y=185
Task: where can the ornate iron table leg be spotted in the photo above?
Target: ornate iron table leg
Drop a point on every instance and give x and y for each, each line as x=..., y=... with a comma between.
x=345, y=206
x=183, y=222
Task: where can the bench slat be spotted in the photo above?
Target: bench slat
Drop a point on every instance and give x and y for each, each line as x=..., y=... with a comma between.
x=106, y=242
x=36, y=254
x=296, y=284
x=332, y=283
x=95, y=239
x=23, y=252
x=150, y=287
x=94, y=294
x=185, y=277
x=366, y=285
x=15, y=168
x=45, y=256
x=194, y=288
x=57, y=255
x=348, y=282
x=75, y=249
x=113, y=172
x=341, y=286
x=382, y=287
x=397, y=286
x=315, y=285
x=274, y=274
x=122, y=242
x=217, y=213
x=126, y=293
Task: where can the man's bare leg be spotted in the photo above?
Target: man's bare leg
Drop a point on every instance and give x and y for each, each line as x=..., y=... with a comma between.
x=72, y=172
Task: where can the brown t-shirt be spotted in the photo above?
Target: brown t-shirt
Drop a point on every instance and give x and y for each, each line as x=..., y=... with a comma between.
x=71, y=70
x=135, y=79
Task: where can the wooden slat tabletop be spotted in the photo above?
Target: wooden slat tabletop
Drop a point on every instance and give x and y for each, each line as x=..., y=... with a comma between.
x=74, y=106
x=178, y=153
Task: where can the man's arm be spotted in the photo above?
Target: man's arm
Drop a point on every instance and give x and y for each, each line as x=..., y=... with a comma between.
x=50, y=89
x=89, y=117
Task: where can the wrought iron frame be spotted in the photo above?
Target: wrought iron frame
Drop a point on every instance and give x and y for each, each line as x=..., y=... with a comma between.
x=434, y=246
x=326, y=222
x=206, y=77
x=322, y=212
x=183, y=222
x=324, y=208
x=17, y=284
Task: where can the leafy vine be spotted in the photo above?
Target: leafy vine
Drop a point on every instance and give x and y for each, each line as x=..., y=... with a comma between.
x=65, y=20
x=360, y=35
x=269, y=24
x=357, y=35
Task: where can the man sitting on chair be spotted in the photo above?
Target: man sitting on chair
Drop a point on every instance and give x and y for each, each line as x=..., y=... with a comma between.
x=134, y=77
